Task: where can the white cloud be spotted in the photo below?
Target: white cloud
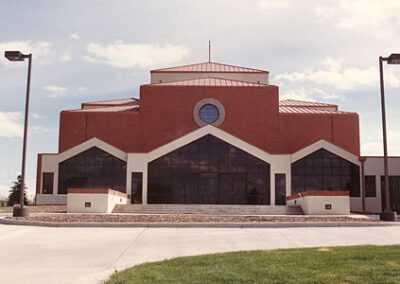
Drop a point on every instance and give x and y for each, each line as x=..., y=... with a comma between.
x=38, y=49
x=375, y=17
x=10, y=125
x=40, y=129
x=38, y=115
x=310, y=95
x=333, y=64
x=55, y=91
x=66, y=57
x=335, y=75
x=299, y=94
x=325, y=12
x=371, y=144
x=366, y=13
x=74, y=36
x=121, y=55
x=271, y=6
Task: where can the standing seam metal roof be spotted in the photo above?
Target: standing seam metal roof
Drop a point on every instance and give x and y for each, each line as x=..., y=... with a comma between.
x=298, y=103
x=130, y=101
x=299, y=110
x=211, y=81
x=209, y=67
x=127, y=108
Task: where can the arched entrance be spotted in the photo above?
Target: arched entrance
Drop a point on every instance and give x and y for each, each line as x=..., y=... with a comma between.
x=208, y=171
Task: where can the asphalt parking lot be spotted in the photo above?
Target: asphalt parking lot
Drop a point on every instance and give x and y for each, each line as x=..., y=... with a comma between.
x=30, y=254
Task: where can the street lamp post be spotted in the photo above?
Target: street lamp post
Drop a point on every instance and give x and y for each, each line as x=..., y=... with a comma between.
x=21, y=210
x=387, y=213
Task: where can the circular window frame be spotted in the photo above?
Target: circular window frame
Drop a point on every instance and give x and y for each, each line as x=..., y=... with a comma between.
x=210, y=101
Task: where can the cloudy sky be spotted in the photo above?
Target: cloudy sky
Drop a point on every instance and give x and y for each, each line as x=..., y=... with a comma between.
x=93, y=50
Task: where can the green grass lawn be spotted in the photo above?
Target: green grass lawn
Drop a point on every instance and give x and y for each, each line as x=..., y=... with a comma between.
x=358, y=264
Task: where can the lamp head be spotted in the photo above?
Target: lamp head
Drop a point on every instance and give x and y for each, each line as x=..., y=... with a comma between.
x=15, y=55
x=394, y=58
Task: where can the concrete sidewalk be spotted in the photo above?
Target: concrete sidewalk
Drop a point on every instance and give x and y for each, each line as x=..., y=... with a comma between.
x=88, y=255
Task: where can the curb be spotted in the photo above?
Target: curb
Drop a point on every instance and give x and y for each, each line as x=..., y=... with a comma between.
x=197, y=225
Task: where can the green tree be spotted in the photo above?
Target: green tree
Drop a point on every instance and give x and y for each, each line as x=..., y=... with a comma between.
x=14, y=196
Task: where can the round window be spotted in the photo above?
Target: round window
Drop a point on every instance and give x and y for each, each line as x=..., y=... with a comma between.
x=209, y=113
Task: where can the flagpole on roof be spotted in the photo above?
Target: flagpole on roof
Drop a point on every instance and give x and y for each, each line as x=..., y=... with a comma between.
x=209, y=51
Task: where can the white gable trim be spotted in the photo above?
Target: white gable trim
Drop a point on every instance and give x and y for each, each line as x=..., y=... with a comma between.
x=327, y=146
x=138, y=162
x=206, y=130
x=94, y=142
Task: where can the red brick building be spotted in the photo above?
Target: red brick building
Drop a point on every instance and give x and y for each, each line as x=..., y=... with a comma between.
x=206, y=133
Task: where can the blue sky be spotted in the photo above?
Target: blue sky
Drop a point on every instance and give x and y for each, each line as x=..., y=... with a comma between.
x=93, y=50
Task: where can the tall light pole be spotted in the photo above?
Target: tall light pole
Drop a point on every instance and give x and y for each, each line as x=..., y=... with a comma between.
x=387, y=213
x=20, y=210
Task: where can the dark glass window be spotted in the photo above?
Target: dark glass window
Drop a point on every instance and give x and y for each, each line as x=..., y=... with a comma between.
x=93, y=168
x=48, y=181
x=137, y=181
x=394, y=190
x=323, y=170
x=209, y=113
x=370, y=186
x=209, y=171
x=280, y=189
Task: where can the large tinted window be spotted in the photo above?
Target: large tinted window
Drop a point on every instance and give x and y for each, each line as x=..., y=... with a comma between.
x=323, y=170
x=47, y=180
x=136, y=188
x=394, y=189
x=280, y=189
x=208, y=171
x=370, y=186
x=93, y=168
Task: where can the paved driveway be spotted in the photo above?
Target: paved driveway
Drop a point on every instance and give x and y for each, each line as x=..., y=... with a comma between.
x=88, y=255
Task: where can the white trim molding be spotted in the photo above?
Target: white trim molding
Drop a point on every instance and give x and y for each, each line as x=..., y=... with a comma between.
x=327, y=146
x=206, y=130
x=93, y=142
